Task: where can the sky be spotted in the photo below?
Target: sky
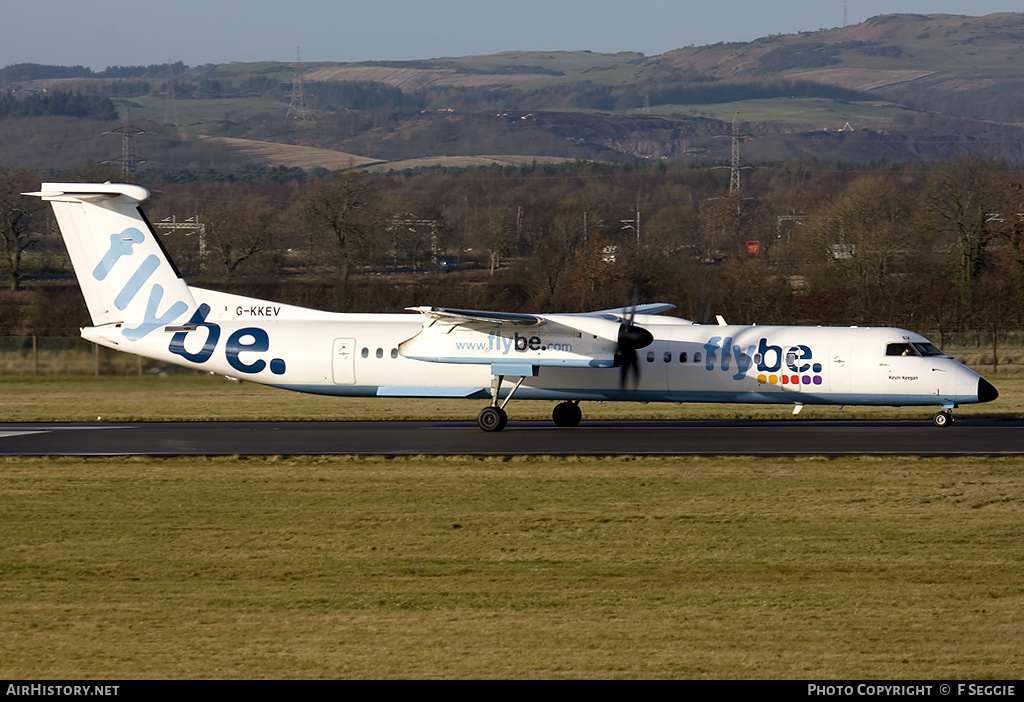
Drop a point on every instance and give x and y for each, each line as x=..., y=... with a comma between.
x=102, y=33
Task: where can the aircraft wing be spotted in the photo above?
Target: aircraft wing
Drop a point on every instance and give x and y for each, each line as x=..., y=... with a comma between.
x=619, y=312
x=588, y=339
x=456, y=316
x=452, y=315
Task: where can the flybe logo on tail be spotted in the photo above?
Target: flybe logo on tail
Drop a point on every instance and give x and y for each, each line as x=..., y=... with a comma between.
x=793, y=366
x=122, y=245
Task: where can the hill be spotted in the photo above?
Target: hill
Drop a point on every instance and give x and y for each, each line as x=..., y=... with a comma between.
x=895, y=87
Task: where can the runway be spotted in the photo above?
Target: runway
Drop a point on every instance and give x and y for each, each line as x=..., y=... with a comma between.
x=981, y=437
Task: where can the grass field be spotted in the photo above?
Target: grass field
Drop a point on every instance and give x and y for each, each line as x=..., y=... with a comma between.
x=820, y=113
x=488, y=568
x=624, y=567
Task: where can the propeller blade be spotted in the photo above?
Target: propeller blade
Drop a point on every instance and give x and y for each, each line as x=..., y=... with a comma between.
x=631, y=338
x=628, y=365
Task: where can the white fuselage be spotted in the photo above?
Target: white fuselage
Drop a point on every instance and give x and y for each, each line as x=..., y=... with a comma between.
x=358, y=355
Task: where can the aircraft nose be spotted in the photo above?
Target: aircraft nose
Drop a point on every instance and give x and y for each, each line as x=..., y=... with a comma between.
x=986, y=391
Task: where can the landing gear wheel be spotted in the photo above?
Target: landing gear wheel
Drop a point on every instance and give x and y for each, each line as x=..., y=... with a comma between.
x=942, y=419
x=567, y=414
x=492, y=418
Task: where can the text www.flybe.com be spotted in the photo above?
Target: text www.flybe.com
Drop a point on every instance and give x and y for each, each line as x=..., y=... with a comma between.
x=506, y=344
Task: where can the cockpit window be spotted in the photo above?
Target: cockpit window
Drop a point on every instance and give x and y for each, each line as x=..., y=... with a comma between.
x=900, y=350
x=927, y=348
x=916, y=348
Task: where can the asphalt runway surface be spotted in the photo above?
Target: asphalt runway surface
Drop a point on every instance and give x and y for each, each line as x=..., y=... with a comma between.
x=981, y=437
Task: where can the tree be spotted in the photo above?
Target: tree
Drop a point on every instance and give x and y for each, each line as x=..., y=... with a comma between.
x=16, y=218
x=722, y=223
x=864, y=238
x=239, y=231
x=337, y=210
x=964, y=198
x=495, y=229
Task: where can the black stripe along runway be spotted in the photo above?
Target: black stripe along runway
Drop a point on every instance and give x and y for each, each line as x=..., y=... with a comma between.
x=655, y=438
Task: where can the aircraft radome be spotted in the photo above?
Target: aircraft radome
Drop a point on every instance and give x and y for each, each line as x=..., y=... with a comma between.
x=140, y=304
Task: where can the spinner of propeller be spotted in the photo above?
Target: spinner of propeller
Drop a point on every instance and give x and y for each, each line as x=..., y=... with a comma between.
x=631, y=339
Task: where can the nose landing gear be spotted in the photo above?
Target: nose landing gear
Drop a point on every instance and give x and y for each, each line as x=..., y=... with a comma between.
x=943, y=418
x=493, y=417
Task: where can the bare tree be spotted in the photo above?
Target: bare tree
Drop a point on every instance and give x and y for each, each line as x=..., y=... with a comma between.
x=864, y=238
x=495, y=229
x=16, y=220
x=337, y=209
x=239, y=231
x=965, y=198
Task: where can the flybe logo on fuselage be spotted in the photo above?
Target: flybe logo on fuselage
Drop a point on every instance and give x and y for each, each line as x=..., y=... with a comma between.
x=497, y=342
x=249, y=340
x=775, y=365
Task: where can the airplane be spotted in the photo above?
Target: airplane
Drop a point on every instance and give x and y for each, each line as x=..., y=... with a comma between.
x=140, y=304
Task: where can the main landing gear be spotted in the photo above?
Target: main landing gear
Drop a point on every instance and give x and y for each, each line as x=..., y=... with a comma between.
x=494, y=418
x=567, y=414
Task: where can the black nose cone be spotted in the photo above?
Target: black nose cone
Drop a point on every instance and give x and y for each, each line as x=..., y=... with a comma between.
x=986, y=391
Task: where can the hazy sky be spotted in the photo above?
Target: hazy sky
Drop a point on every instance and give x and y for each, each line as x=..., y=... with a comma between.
x=101, y=33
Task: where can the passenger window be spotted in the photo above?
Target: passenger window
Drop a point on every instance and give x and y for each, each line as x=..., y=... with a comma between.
x=365, y=353
x=650, y=357
x=668, y=357
x=380, y=353
x=696, y=357
x=682, y=357
x=394, y=353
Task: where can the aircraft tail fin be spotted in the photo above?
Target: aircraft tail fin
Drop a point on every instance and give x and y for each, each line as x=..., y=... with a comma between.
x=124, y=272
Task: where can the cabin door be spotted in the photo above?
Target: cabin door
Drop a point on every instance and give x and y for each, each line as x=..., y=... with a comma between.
x=343, y=361
x=838, y=368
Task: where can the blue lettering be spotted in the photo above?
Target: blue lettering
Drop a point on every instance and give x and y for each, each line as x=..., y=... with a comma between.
x=726, y=348
x=710, y=348
x=135, y=283
x=763, y=350
x=212, y=337
x=805, y=355
x=260, y=341
x=743, y=361
x=150, y=321
x=120, y=245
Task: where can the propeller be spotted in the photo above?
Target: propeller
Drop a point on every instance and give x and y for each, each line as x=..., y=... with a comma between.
x=631, y=338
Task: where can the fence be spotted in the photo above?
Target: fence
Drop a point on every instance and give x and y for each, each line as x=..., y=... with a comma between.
x=67, y=355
